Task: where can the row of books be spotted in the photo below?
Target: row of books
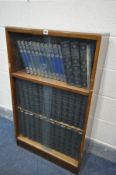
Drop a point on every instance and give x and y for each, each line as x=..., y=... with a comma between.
x=69, y=61
x=50, y=134
x=53, y=103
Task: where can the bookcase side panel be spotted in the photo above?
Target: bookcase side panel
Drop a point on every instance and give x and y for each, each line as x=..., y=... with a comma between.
x=100, y=55
x=12, y=83
x=98, y=81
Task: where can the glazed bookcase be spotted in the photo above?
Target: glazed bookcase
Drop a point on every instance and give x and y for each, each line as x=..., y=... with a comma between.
x=17, y=73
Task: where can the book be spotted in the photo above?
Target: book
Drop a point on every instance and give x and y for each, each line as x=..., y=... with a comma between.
x=44, y=64
x=45, y=133
x=23, y=56
x=76, y=112
x=56, y=104
x=76, y=67
x=21, y=122
x=47, y=101
x=65, y=47
x=27, y=54
x=90, y=56
x=82, y=110
x=58, y=61
x=31, y=47
x=83, y=58
x=49, y=61
x=55, y=61
x=67, y=60
x=27, y=124
x=63, y=78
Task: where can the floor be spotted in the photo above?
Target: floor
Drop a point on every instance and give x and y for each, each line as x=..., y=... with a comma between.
x=17, y=161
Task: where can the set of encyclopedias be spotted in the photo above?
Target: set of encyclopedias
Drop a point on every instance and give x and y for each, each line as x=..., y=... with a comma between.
x=44, y=59
x=60, y=105
x=69, y=61
x=49, y=133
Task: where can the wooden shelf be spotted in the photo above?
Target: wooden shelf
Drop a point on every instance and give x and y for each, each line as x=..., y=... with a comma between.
x=50, y=82
x=49, y=153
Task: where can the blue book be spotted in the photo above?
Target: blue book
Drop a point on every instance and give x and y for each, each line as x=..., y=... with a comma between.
x=52, y=61
x=32, y=55
x=28, y=52
x=48, y=58
x=56, y=61
x=43, y=59
x=23, y=56
x=35, y=46
x=40, y=59
x=61, y=63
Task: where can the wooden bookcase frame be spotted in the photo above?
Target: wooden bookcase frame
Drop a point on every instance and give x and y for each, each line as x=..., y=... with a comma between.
x=100, y=52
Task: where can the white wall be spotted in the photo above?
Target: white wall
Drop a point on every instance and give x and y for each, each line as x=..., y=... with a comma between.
x=72, y=15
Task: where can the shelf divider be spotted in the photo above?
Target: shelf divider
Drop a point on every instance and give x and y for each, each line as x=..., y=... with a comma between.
x=50, y=82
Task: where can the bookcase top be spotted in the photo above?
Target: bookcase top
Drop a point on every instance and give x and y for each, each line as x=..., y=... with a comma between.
x=60, y=33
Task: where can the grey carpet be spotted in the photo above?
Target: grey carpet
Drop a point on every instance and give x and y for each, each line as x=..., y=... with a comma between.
x=17, y=161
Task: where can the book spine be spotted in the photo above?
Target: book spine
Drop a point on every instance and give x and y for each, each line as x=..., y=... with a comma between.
x=21, y=121
x=37, y=57
x=48, y=58
x=71, y=108
x=40, y=59
x=82, y=110
x=25, y=89
x=27, y=126
x=61, y=63
x=32, y=125
x=57, y=62
x=19, y=93
x=76, y=67
x=43, y=61
x=47, y=100
x=28, y=52
x=64, y=109
x=65, y=47
x=76, y=112
x=52, y=61
x=45, y=133
x=33, y=57
x=89, y=64
x=83, y=57
x=36, y=99
x=56, y=104
x=37, y=137
x=69, y=137
x=23, y=56
x=52, y=135
x=26, y=56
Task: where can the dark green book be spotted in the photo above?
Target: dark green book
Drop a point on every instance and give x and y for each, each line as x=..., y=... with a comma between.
x=65, y=48
x=76, y=66
x=21, y=122
x=83, y=59
x=82, y=111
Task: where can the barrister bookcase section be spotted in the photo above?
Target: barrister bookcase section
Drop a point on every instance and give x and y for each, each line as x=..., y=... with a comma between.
x=52, y=75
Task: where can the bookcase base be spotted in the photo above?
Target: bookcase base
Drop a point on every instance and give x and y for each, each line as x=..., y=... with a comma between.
x=50, y=154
